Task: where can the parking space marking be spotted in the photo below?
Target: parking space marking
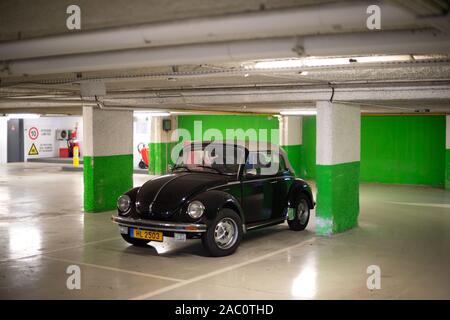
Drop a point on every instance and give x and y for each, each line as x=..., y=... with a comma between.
x=420, y=204
x=214, y=273
x=135, y=273
x=32, y=219
x=60, y=249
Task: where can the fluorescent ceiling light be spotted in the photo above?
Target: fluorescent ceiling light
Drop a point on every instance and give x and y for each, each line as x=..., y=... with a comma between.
x=23, y=116
x=298, y=112
x=374, y=59
x=313, y=62
x=321, y=62
x=145, y=114
x=278, y=64
x=299, y=63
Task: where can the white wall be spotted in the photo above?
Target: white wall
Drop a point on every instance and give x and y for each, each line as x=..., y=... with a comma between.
x=3, y=140
x=141, y=133
x=46, y=142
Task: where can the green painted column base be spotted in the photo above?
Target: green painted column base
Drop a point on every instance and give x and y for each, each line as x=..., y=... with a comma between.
x=159, y=157
x=447, y=169
x=294, y=153
x=105, y=179
x=337, y=207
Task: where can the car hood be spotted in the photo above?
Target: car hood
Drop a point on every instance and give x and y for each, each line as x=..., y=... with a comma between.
x=167, y=193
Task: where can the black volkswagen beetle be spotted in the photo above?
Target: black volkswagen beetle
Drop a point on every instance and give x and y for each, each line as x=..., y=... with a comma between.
x=216, y=192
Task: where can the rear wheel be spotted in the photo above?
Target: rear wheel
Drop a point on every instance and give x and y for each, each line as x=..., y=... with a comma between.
x=134, y=241
x=301, y=214
x=224, y=234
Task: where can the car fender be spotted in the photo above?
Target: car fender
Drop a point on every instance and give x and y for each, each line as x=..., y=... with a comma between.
x=215, y=200
x=132, y=193
x=300, y=186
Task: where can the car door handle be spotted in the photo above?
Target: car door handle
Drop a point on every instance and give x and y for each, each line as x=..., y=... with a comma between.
x=273, y=182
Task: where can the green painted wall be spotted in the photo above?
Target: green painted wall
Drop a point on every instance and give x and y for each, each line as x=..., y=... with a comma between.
x=295, y=157
x=308, y=165
x=447, y=170
x=105, y=179
x=159, y=159
x=224, y=122
x=337, y=197
x=413, y=145
x=404, y=150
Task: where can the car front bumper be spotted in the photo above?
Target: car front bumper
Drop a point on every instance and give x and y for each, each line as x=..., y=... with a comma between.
x=159, y=225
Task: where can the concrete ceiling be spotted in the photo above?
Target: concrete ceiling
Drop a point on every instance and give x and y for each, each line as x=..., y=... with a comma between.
x=22, y=19
x=60, y=92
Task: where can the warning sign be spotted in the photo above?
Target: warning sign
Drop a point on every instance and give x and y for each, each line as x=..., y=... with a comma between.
x=33, y=133
x=33, y=151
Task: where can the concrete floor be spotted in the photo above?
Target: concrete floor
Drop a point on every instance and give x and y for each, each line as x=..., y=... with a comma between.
x=404, y=230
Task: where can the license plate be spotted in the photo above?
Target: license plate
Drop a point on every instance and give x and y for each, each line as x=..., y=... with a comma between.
x=147, y=235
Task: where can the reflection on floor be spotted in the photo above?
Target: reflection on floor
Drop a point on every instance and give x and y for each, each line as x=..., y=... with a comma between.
x=403, y=230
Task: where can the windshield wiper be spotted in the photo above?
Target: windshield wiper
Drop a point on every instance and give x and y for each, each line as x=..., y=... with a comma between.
x=208, y=167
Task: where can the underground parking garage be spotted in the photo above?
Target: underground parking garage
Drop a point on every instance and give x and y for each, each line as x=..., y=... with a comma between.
x=275, y=150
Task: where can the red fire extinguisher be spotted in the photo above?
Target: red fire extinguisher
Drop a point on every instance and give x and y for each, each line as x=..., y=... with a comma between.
x=143, y=150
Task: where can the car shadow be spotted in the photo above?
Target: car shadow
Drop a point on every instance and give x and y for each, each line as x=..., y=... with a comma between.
x=195, y=247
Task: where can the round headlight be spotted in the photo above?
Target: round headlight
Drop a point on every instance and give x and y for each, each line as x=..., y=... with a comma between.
x=123, y=203
x=195, y=209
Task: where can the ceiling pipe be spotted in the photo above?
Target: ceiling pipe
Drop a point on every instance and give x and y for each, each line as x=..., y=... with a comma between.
x=40, y=103
x=325, y=18
x=393, y=42
x=295, y=95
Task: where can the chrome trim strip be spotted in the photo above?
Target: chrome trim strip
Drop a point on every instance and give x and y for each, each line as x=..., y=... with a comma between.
x=248, y=181
x=273, y=221
x=269, y=178
x=159, y=225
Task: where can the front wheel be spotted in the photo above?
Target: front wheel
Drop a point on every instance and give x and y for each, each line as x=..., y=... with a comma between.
x=301, y=214
x=224, y=234
x=134, y=241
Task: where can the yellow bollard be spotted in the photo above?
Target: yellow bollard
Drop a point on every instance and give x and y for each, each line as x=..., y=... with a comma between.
x=76, y=159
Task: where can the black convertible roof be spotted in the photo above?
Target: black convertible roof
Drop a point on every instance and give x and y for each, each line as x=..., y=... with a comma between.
x=251, y=146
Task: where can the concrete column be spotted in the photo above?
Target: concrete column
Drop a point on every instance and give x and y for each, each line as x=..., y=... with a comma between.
x=338, y=158
x=291, y=139
x=161, y=144
x=108, y=157
x=447, y=153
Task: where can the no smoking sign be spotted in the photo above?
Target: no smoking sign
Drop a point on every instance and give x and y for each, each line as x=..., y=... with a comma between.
x=33, y=133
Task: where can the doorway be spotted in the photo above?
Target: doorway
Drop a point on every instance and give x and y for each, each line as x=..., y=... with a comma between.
x=15, y=140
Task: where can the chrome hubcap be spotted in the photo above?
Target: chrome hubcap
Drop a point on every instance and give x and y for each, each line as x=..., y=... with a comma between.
x=225, y=233
x=302, y=211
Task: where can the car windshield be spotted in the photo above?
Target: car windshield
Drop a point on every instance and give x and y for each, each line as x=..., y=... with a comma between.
x=218, y=158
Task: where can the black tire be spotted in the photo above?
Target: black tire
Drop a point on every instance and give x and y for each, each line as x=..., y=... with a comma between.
x=226, y=219
x=134, y=241
x=301, y=214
